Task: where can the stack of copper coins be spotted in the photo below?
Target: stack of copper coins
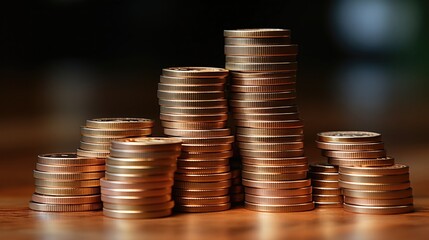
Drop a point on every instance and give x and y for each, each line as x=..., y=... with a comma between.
x=139, y=177
x=326, y=190
x=269, y=130
x=99, y=132
x=194, y=109
x=67, y=183
x=376, y=190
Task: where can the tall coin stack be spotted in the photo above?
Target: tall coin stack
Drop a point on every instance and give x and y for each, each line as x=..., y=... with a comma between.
x=139, y=177
x=194, y=109
x=67, y=183
x=269, y=130
x=370, y=181
x=326, y=189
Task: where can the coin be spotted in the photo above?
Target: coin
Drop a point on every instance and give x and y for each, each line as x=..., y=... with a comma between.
x=194, y=118
x=67, y=191
x=385, y=179
x=120, y=123
x=66, y=183
x=350, y=146
x=64, y=207
x=192, y=103
x=192, y=80
x=281, y=109
x=138, y=192
x=122, y=153
x=198, y=133
x=367, y=162
x=148, y=144
x=194, y=111
x=325, y=183
x=326, y=191
x=279, y=192
x=135, y=185
x=374, y=186
x=202, y=162
x=190, y=88
x=278, y=200
x=258, y=41
x=323, y=167
x=143, y=170
x=397, y=169
x=149, y=207
x=262, y=88
x=261, y=50
x=149, y=161
x=217, y=184
x=67, y=176
x=95, y=146
x=267, y=117
x=203, y=208
x=96, y=132
x=260, y=59
x=290, y=100
x=378, y=202
x=264, y=96
x=206, y=147
x=69, y=169
x=138, y=177
x=272, y=154
x=274, y=169
x=324, y=176
x=93, y=154
x=68, y=159
x=132, y=214
x=38, y=198
x=405, y=193
x=274, y=176
x=354, y=154
x=201, y=192
x=269, y=139
x=194, y=72
x=271, y=146
x=193, y=125
x=267, y=81
x=207, y=140
x=349, y=136
x=135, y=200
x=270, y=131
x=256, y=33
x=378, y=210
x=279, y=208
x=180, y=200
x=203, y=170
x=203, y=177
x=262, y=67
x=327, y=198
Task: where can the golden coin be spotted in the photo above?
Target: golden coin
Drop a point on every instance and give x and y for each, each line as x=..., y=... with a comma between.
x=66, y=184
x=119, y=123
x=262, y=67
x=275, y=161
x=271, y=146
x=99, y=140
x=279, y=208
x=198, y=72
x=69, y=169
x=201, y=192
x=325, y=183
x=202, y=162
x=65, y=207
x=263, y=103
x=95, y=154
x=269, y=139
x=269, y=200
x=276, y=184
x=354, y=154
x=378, y=210
x=257, y=33
x=378, y=202
x=141, y=170
x=269, y=82
x=350, y=146
x=202, y=177
x=179, y=200
x=103, y=147
x=258, y=41
x=135, y=200
x=397, y=169
x=122, y=153
x=192, y=103
x=207, y=140
x=327, y=198
x=67, y=176
x=272, y=154
x=135, y=214
x=138, y=177
x=203, y=170
x=148, y=144
x=202, y=95
x=193, y=125
x=398, y=178
x=270, y=132
x=168, y=161
x=65, y=199
x=267, y=110
x=198, y=133
x=278, y=192
x=374, y=186
x=109, y=184
x=206, y=155
x=203, y=208
x=274, y=176
x=183, y=185
x=194, y=111
x=368, y=162
x=193, y=118
x=349, y=137
x=206, y=147
x=68, y=159
x=192, y=80
x=263, y=96
x=190, y=88
x=378, y=194
x=261, y=50
x=149, y=207
x=323, y=168
x=67, y=191
x=136, y=192
x=274, y=169
x=261, y=59
x=326, y=191
x=324, y=176
x=96, y=132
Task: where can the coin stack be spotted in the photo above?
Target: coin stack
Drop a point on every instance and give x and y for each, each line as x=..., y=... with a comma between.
x=326, y=190
x=66, y=182
x=269, y=130
x=99, y=132
x=139, y=177
x=376, y=190
x=194, y=109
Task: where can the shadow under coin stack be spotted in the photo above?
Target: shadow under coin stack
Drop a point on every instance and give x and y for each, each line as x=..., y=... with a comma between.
x=67, y=183
x=139, y=177
x=269, y=130
x=326, y=189
x=194, y=109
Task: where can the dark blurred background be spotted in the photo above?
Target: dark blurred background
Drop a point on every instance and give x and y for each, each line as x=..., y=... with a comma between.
x=363, y=65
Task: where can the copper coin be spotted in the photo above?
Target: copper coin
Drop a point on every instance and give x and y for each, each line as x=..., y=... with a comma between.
x=257, y=41
x=259, y=59
x=272, y=154
x=327, y=198
x=266, y=110
x=203, y=208
x=275, y=169
x=257, y=33
x=135, y=214
x=262, y=67
x=262, y=103
x=202, y=177
x=94, y=146
x=296, y=184
x=207, y=140
x=201, y=185
x=67, y=176
x=194, y=111
x=148, y=207
x=67, y=191
x=206, y=147
x=69, y=169
x=94, y=154
x=350, y=146
x=324, y=176
x=354, y=154
x=270, y=132
x=119, y=123
x=202, y=162
x=325, y=183
x=192, y=103
x=247, y=75
x=374, y=186
x=141, y=170
x=135, y=185
x=267, y=117
x=261, y=50
x=67, y=184
x=323, y=168
x=193, y=125
x=198, y=133
x=397, y=169
x=68, y=159
x=135, y=200
x=378, y=194
x=138, y=177
x=148, y=144
x=203, y=170
x=206, y=155
x=384, y=179
x=271, y=146
x=190, y=88
x=121, y=153
x=326, y=191
x=378, y=202
x=269, y=200
x=274, y=176
x=270, y=139
x=121, y=192
x=264, y=96
x=193, y=118
x=200, y=192
x=368, y=162
x=278, y=192
x=168, y=161
x=192, y=80
x=378, y=210
x=65, y=199
x=329, y=204
x=179, y=200
x=349, y=137
x=279, y=208
x=65, y=207
x=201, y=95
x=199, y=72
x=96, y=132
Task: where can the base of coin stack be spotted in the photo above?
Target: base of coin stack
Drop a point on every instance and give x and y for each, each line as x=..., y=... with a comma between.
x=268, y=125
x=139, y=177
x=194, y=109
x=66, y=182
x=326, y=190
x=370, y=181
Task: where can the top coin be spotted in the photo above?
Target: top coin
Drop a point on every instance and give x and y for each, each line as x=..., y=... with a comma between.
x=384, y=170
x=349, y=136
x=147, y=143
x=257, y=33
x=119, y=123
x=68, y=159
x=200, y=72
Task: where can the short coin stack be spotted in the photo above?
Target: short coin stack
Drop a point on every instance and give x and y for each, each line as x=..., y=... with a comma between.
x=269, y=130
x=99, y=132
x=139, y=177
x=67, y=183
x=194, y=109
x=376, y=190
x=326, y=190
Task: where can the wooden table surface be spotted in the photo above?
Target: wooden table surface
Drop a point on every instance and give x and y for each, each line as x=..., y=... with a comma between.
x=18, y=222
